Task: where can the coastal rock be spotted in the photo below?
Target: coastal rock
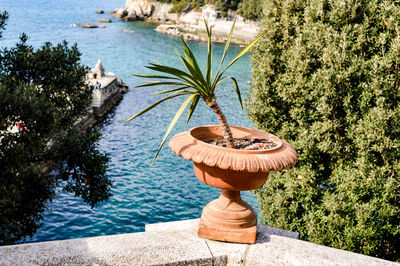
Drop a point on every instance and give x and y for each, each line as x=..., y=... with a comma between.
x=131, y=16
x=90, y=26
x=104, y=20
x=139, y=9
x=169, y=29
x=100, y=11
x=151, y=10
x=120, y=13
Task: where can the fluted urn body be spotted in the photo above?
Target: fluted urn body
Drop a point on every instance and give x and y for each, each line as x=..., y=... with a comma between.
x=229, y=218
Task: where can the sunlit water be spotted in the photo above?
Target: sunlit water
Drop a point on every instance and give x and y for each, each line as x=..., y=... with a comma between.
x=142, y=194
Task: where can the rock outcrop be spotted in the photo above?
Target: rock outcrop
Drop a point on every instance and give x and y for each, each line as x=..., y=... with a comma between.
x=119, y=13
x=89, y=26
x=104, y=20
x=139, y=10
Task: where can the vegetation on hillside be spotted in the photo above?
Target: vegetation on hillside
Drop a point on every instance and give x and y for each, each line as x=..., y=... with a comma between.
x=247, y=8
x=250, y=9
x=45, y=91
x=326, y=78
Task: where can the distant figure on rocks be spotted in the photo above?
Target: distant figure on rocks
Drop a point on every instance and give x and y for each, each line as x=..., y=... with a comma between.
x=94, y=83
x=20, y=126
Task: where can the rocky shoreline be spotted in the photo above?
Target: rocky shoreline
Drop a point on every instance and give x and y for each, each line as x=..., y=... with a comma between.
x=188, y=25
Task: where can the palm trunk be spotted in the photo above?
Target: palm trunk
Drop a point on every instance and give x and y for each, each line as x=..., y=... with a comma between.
x=222, y=120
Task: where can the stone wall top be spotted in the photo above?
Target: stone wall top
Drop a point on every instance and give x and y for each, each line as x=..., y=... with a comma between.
x=176, y=243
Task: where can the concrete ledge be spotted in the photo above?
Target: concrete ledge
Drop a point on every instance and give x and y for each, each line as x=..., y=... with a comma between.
x=125, y=249
x=176, y=243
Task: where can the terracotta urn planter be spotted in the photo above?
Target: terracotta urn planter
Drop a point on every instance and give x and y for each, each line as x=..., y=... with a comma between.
x=229, y=218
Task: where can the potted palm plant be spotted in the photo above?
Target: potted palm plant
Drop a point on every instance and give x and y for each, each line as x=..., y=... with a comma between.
x=228, y=157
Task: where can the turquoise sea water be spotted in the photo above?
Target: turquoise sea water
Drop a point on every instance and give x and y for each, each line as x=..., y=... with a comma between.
x=142, y=194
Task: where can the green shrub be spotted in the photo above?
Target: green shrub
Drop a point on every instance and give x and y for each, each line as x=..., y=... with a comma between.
x=326, y=78
x=46, y=89
x=250, y=9
x=223, y=5
x=178, y=6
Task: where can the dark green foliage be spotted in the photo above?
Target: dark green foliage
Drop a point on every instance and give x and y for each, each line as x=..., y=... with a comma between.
x=223, y=5
x=250, y=9
x=3, y=18
x=197, y=3
x=178, y=6
x=326, y=78
x=45, y=89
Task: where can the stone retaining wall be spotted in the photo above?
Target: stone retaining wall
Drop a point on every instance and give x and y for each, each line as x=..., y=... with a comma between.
x=176, y=243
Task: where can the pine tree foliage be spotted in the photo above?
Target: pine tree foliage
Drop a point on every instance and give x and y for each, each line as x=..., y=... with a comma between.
x=250, y=9
x=326, y=78
x=46, y=90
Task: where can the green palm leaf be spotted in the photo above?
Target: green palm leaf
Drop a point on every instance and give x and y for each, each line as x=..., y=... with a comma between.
x=236, y=86
x=209, y=54
x=154, y=76
x=193, y=106
x=154, y=105
x=173, y=122
x=228, y=42
x=158, y=83
x=172, y=90
x=195, y=75
x=191, y=59
x=169, y=70
x=245, y=50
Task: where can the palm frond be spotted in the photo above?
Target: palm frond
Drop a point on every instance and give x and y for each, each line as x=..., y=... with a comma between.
x=169, y=70
x=245, y=50
x=171, y=90
x=192, y=107
x=228, y=42
x=196, y=76
x=236, y=86
x=218, y=75
x=160, y=83
x=209, y=54
x=191, y=59
x=154, y=76
x=173, y=122
x=155, y=104
x=179, y=74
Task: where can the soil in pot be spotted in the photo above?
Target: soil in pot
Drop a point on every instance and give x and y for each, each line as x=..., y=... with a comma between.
x=246, y=143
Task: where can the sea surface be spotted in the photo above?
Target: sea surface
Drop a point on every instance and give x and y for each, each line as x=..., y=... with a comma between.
x=142, y=194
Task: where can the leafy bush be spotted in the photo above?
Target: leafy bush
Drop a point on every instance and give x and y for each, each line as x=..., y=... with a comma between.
x=250, y=9
x=326, y=78
x=223, y=5
x=45, y=89
x=178, y=6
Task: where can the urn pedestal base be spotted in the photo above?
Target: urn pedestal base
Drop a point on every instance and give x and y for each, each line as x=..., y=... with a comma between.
x=229, y=219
